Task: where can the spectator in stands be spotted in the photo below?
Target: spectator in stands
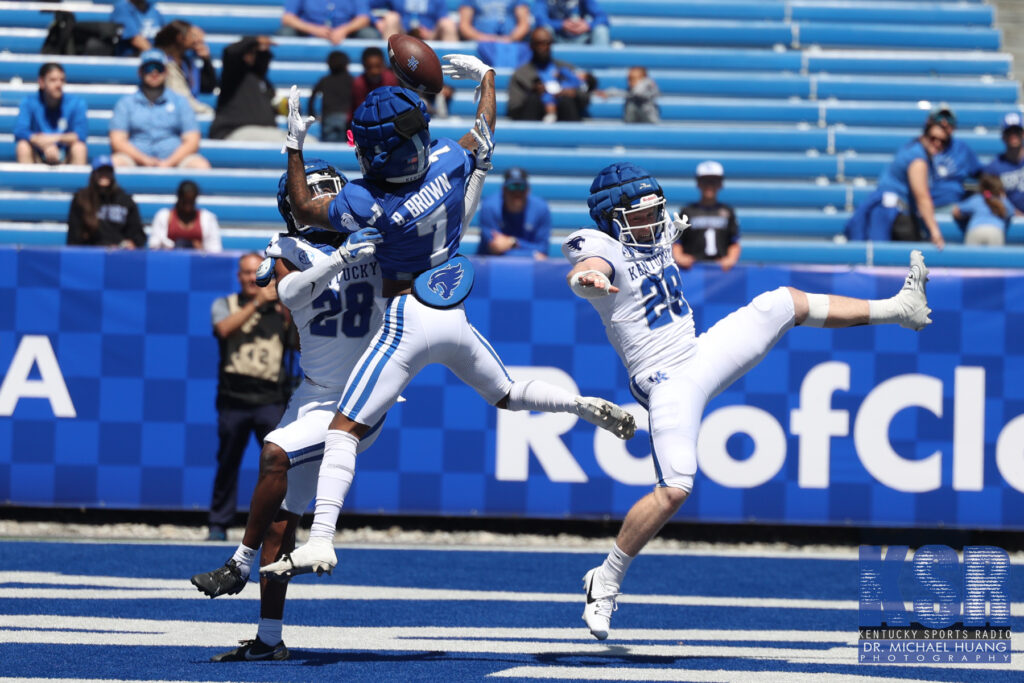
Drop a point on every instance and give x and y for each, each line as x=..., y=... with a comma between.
x=546, y=89
x=184, y=225
x=245, y=106
x=515, y=222
x=102, y=214
x=174, y=39
x=641, y=104
x=333, y=20
x=198, y=68
x=336, y=90
x=714, y=232
x=375, y=75
x=1009, y=166
x=500, y=21
x=573, y=21
x=141, y=20
x=954, y=166
x=902, y=203
x=155, y=126
x=425, y=19
x=253, y=331
x=52, y=127
x=988, y=213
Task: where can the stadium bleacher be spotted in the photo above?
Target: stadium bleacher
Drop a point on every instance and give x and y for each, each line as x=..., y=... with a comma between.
x=803, y=101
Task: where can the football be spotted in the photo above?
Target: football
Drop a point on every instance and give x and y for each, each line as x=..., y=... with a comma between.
x=415, y=64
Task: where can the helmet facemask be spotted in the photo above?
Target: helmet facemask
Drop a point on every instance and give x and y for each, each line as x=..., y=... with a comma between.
x=644, y=223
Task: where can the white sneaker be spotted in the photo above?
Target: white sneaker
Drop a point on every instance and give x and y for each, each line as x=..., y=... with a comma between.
x=606, y=415
x=600, y=604
x=316, y=556
x=913, y=299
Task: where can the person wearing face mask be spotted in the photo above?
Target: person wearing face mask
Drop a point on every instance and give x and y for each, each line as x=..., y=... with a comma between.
x=184, y=225
x=902, y=204
x=102, y=214
x=1009, y=166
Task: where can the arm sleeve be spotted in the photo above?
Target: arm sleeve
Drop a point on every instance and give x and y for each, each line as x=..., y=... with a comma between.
x=124, y=15
x=299, y=287
x=733, y=227
x=219, y=310
x=233, y=68
x=158, y=231
x=207, y=77
x=211, y=232
x=23, y=124
x=79, y=122
x=133, y=226
x=75, y=224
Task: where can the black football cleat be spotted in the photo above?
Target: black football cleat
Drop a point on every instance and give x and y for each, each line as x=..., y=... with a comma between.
x=254, y=650
x=226, y=580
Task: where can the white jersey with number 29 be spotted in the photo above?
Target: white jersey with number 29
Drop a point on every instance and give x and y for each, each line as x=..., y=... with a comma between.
x=648, y=321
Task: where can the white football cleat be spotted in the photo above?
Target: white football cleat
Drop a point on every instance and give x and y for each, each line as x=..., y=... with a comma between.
x=913, y=299
x=316, y=556
x=597, y=613
x=606, y=415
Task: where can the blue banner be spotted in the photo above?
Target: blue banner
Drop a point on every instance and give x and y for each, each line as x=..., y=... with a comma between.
x=109, y=379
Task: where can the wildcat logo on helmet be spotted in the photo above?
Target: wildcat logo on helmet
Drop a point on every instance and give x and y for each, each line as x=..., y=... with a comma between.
x=413, y=64
x=444, y=281
x=576, y=243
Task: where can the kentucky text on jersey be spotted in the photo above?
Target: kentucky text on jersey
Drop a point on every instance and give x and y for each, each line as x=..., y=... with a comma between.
x=359, y=271
x=654, y=264
x=424, y=200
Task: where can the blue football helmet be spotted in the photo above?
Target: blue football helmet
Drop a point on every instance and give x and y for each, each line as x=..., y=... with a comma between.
x=323, y=180
x=392, y=137
x=627, y=203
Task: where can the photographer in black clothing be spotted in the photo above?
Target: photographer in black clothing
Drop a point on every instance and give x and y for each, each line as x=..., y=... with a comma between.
x=245, y=106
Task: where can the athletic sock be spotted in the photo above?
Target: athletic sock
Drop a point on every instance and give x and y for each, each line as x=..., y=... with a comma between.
x=540, y=396
x=336, y=472
x=614, y=568
x=883, y=311
x=269, y=631
x=244, y=557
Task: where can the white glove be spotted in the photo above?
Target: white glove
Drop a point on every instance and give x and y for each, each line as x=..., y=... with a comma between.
x=484, y=144
x=465, y=67
x=297, y=124
x=680, y=223
x=360, y=244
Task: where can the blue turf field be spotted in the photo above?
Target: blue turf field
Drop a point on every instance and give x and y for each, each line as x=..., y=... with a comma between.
x=128, y=612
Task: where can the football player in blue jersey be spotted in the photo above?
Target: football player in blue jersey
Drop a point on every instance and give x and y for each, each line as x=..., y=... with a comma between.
x=331, y=284
x=624, y=267
x=419, y=194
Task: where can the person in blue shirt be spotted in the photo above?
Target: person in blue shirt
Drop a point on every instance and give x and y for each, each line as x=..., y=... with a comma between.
x=52, y=127
x=414, y=198
x=141, y=21
x=1009, y=166
x=155, y=126
x=425, y=19
x=573, y=21
x=332, y=20
x=500, y=21
x=987, y=214
x=515, y=222
x=955, y=165
x=902, y=203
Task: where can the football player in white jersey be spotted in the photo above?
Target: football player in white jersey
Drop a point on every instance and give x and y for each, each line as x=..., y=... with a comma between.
x=624, y=267
x=331, y=285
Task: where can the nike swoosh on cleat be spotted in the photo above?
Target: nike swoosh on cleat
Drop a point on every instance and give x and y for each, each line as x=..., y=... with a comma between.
x=590, y=587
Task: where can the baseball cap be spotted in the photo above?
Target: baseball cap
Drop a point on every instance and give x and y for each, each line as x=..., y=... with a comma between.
x=516, y=179
x=1012, y=120
x=709, y=169
x=102, y=161
x=153, y=56
x=942, y=112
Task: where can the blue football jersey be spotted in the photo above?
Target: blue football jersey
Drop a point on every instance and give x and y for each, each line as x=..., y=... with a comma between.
x=421, y=221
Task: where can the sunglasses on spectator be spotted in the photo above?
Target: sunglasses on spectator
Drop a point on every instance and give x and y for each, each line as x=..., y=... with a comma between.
x=939, y=141
x=150, y=68
x=515, y=187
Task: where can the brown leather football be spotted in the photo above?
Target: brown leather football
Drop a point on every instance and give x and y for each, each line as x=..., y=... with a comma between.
x=415, y=64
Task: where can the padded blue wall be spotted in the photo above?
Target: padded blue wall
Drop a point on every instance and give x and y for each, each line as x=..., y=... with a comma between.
x=131, y=335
